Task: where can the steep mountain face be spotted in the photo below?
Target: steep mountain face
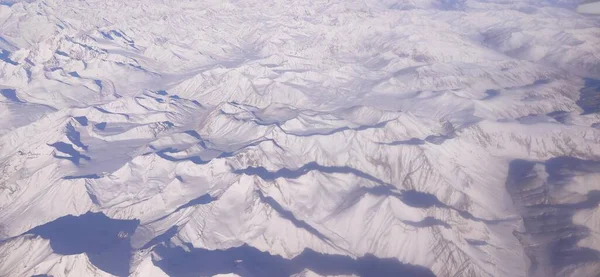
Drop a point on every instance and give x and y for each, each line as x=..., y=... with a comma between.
x=299, y=138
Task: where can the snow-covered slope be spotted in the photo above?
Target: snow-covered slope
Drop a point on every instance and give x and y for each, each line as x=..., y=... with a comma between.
x=299, y=138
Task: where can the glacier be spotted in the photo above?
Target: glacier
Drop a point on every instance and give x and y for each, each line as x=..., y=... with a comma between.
x=299, y=138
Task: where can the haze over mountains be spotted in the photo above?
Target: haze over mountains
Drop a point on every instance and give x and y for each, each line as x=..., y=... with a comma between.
x=299, y=138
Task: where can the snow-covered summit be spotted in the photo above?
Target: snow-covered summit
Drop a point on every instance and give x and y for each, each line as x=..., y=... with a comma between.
x=299, y=138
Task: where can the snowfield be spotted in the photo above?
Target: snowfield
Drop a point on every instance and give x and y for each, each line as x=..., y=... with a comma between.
x=299, y=138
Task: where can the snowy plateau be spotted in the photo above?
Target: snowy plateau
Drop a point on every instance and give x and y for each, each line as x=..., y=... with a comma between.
x=299, y=138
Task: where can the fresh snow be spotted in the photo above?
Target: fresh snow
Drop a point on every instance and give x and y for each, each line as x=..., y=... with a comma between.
x=299, y=138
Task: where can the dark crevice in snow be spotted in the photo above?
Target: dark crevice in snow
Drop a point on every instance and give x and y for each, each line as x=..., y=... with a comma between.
x=427, y=222
x=419, y=199
x=82, y=120
x=412, y=141
x=411, y=198
x=437, y=139
x=100, y=126
x=290, y=216
x=68, y=149
x=61, y=53
x=534, y=119
x=194, y=159
x=196, y=136
x=93, y=198
x=202, y=200
x=108, y=112
x=75, y=137
x=541, y=82
x=106, y=35
x=296, y=173
x=228, y=154
x=333, y=131
x=559, y=116
x=87, y=47
x=491, y=93
x=98, y=83
x=434, y=139
x=88, y=176
x=476, y=242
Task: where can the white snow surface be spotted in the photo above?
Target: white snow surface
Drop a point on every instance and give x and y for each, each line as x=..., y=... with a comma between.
x=135, y=108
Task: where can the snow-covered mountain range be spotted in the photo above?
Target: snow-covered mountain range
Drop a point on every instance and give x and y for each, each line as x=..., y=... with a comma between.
x=299, y=138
